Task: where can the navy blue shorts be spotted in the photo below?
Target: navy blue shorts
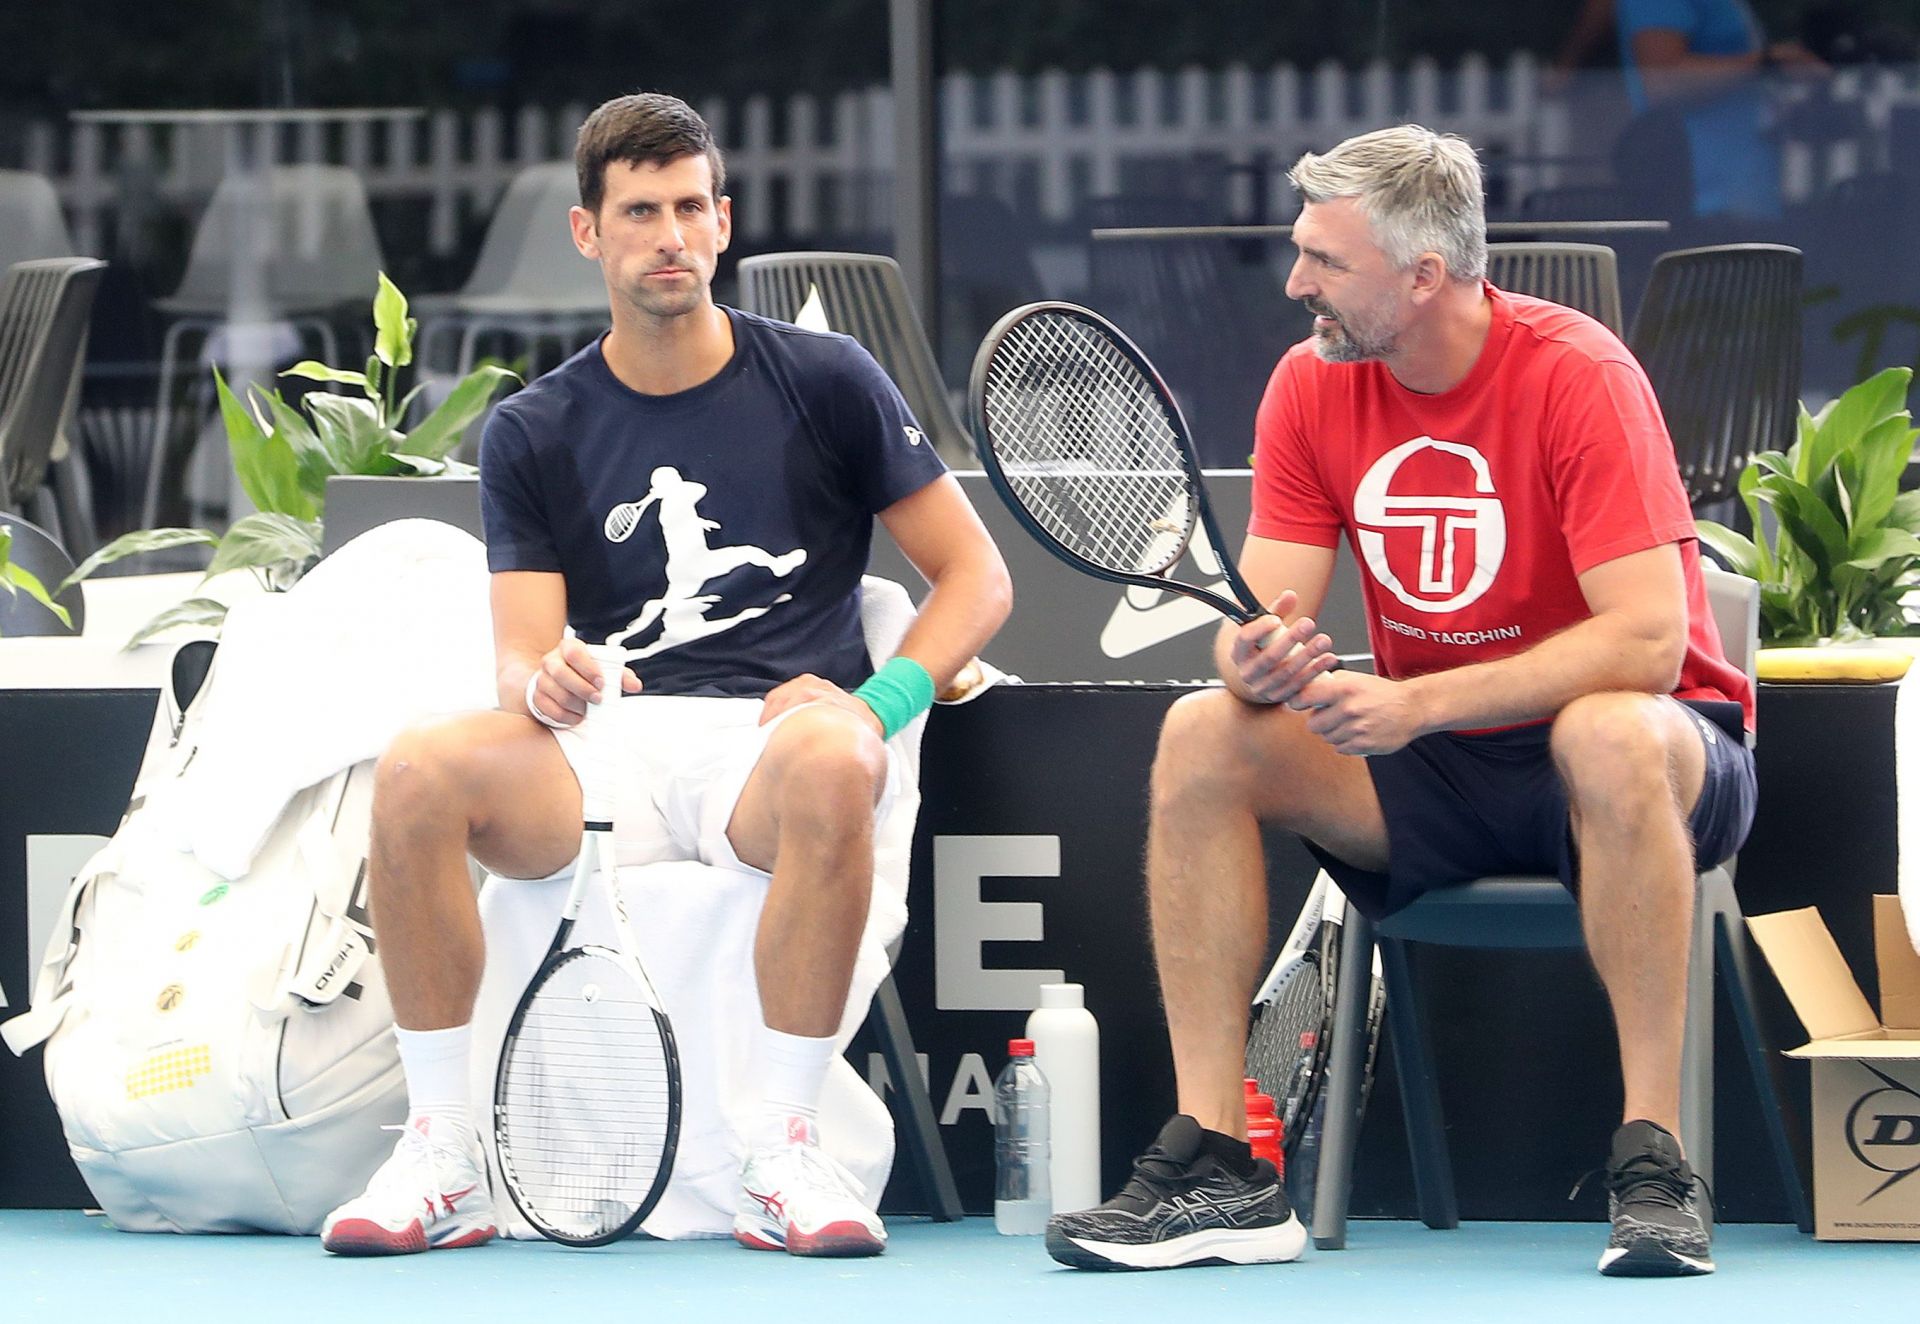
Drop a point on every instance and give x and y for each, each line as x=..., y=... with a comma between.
x=1461, y=807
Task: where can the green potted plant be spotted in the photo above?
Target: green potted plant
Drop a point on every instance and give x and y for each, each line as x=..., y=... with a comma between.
x=15, y=579
x=1843, y=545
x=283, y=458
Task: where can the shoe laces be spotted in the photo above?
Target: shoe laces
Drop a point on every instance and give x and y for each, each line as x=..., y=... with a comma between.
x=1153, y=1172
x=813, y=1162
x=414, y=1153
x=1646, y=1179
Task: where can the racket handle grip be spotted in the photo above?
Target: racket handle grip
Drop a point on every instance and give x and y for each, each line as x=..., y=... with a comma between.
x=598, y=735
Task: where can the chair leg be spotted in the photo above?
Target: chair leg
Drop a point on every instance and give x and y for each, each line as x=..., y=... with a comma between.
x=1696, y=1053
x=1419, y=1090
x=1785, y=1133
x=1346, y=1062
x=162, y=422
x=920, y=1128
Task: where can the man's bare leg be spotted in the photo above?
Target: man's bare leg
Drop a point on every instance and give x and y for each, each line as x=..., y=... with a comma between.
x=1224, y=767
x=491, y=784
x=1634, y=767
x=806, y=816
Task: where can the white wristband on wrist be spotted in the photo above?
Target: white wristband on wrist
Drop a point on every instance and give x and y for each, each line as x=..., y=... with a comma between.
x=533, y=709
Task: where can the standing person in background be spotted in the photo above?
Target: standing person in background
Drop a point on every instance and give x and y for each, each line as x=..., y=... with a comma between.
x=1705, y=62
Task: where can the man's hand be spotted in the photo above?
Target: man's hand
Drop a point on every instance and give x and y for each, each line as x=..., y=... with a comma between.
x=1275, y=660
x=569, y=680
x=1361, y=714
x=812, y=689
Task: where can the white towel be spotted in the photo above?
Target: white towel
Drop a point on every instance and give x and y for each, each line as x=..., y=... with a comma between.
x=392, y=628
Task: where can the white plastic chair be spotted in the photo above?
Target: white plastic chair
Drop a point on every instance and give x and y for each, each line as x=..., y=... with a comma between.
x=529, y=282
x=313, y=250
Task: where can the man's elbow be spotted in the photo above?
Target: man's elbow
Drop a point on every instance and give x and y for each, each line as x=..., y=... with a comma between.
x=1661, y=660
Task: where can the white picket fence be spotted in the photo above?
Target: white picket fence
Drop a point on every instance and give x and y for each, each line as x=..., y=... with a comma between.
x=823, y=165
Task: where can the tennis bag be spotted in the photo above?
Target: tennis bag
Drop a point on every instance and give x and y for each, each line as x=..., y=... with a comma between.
x=220, y=1051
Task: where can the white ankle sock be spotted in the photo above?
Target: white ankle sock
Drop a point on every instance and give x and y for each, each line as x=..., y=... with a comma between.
x=436, y=1065
x=793, y=1070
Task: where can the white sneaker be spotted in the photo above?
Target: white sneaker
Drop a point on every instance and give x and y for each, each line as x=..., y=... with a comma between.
x=430, y=1195
x=795, y=1197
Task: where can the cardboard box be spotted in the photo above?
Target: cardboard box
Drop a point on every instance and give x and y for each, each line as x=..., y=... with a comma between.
x=1866, y=1071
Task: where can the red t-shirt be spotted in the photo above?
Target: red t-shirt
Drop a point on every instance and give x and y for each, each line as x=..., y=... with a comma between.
x=1473, y=511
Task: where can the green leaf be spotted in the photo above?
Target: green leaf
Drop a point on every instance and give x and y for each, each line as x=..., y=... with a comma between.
x=1882, y=458
x=194, y=611
x=315, y=371
x=1736, y=549
x=350, y=428
x=19, y=577
x=267, y=539
x=265, y=464
x=1848, y=419
x=392, y=328
x=441, y=430
x=1883, y=546
x=1906, y=512
x=312, y=459
x=1804, y=517
x=132, y=544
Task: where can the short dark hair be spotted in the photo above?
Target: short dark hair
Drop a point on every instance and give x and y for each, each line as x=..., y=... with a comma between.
x=646, y=128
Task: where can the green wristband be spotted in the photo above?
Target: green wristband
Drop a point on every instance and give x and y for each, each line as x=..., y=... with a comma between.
x=898, y=692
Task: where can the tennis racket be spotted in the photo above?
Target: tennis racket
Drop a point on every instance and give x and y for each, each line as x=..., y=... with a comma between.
x=586, y=1104
x=1290, y=1034
x=1086, y=445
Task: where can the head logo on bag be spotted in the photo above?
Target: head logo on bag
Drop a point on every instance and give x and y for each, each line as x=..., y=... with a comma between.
x=185, y=942
x=213, y=894
x=170, y=997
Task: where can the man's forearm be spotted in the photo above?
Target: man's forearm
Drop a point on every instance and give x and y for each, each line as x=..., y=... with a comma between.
x=963, y=609
x=1602, y=653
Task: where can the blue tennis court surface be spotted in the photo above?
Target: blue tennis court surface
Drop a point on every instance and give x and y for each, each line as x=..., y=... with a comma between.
x=64, y=1266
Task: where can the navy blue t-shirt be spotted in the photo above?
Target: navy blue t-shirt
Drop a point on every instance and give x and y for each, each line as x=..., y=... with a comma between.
x=718, y=534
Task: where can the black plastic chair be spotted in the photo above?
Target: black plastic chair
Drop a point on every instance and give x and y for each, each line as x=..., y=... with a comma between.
x=1582, y=276
x=44, y=309
x=39, y=551
x=865, y=296
x=1540, y=913
x=1718, y=332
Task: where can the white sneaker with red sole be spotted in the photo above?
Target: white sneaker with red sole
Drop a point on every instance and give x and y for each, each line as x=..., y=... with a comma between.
x=795, y=1197
x=430, y=1195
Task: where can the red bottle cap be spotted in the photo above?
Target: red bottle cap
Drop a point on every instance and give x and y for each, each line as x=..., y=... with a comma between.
x=1251, y=1086
x=1019, y=1048
x=1260, y=1104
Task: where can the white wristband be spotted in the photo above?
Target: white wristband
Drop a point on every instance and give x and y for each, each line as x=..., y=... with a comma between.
x=533, y=709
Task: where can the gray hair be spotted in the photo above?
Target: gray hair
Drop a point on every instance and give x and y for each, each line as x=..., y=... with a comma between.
x=1420, y=191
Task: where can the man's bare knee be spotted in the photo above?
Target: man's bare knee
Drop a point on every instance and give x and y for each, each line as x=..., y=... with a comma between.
x=1218, y=752
x=827, y=764
x=424, y=775
x=1614, y=751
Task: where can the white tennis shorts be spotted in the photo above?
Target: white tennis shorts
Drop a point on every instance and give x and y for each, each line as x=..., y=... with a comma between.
x=682, y=764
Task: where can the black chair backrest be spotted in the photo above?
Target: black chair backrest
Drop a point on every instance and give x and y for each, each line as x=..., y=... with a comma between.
x=863, y=295
x=1582, y=276
x=1718, y=332
x=37, y=550
x=44, y=309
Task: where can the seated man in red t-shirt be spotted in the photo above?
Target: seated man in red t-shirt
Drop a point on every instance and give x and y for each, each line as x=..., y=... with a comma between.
x=1550, y=693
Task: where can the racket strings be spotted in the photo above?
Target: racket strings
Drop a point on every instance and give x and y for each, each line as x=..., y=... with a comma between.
x=1088, y=444
x=1279, y=1053
x=585, y=1098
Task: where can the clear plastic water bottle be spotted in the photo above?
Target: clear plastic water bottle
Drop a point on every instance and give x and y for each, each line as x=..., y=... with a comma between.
x=1304, y=1171
x=1022, y=1190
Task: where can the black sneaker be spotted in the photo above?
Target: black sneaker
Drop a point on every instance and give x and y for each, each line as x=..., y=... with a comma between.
x=1662, y=1218
x=1185, y=1204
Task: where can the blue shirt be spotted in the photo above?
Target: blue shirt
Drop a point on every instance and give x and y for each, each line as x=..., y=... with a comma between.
x=717, y=534
x=1736, y=167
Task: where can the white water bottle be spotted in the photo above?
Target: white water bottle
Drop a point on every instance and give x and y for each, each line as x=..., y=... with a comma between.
x=1066, y=1044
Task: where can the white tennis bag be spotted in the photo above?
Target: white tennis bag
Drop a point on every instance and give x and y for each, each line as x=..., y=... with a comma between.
x=220, y=1051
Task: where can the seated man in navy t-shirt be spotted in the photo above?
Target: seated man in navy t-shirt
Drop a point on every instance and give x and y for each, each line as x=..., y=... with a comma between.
x=698, y=488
